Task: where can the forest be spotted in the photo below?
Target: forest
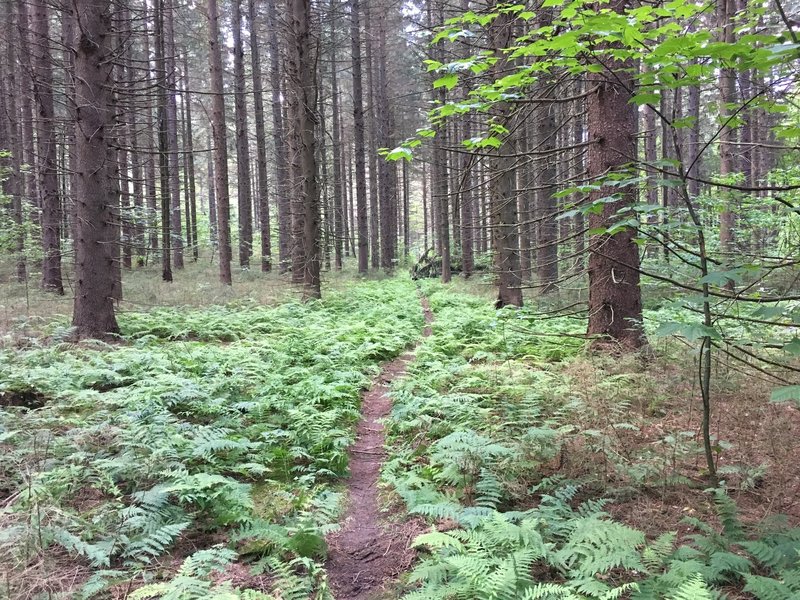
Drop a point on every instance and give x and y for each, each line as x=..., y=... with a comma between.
x=383, y=300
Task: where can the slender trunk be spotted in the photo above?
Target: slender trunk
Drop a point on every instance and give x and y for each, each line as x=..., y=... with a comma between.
x=261, y=142
x=50, y=200
x=151, y=214
x=191, y=210
x=163, y=146
x=212, y=199
x=279, y=141
x=358, y=131
x=338, y=195
x=547, y=244
x=372, y=152
x=220, y=145
x=171, y=82
x=11, y=131
x=245, y=201
x=727, y=136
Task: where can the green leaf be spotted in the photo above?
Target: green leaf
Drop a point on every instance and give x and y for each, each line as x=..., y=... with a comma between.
x=399, y=153
x=448, y=81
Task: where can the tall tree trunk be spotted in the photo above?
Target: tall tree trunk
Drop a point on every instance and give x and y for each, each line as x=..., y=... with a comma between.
x=137, y=158
x=693, y=143
x=150, y=147
x=93, y=314
x=615, y=298
x=187, y=199
x=502, y=202
x=170, y=54
x=163, y=145
x=302, y=94
x=11, y=132
x=406, y=209
x=338, y=195
x=358, y=132
x=279, y=139
x=50, y=200
x=244, y=196
x=726, y=9
x=212, y=199
x=424, y=206
x=261, y=142
x=547, y=245
x=386, y=184
x=31, y=185
x=191, y=211
x=375, y=242
x=220, y=145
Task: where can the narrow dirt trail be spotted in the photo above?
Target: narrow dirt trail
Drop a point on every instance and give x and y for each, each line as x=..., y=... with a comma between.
x=368, y=552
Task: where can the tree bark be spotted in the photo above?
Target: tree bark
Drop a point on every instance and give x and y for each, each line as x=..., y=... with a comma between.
x=302, y=94
x=170, y=54
x=279, y=139
x=726, y=9
x=615, y=298
x=191, y=210
x=220, y=145
x=50, y=199
x=338, y=194
x=245, y=200
x=502, y=201
x=93, y=314
x=358, y=131
x=261, y=142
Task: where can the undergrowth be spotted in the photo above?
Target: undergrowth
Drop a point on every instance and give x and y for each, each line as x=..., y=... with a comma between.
x=489, y=435
x=213, y=436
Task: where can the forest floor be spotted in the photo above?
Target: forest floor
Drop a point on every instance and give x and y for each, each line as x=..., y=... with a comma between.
x=371, y=548
x=245, y=445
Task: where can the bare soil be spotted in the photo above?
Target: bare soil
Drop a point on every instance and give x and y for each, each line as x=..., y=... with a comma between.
x=369, y=551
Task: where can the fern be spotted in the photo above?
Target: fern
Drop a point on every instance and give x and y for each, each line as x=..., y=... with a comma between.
x=692, y=589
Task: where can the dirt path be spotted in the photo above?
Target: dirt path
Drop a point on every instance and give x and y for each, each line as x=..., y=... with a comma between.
x=368, y=552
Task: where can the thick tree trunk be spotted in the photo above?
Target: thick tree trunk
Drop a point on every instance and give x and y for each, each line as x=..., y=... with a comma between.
x=50, y=200
x=220, y=145
x=358, y=132
x=502, y=203
x=615, y=298
x=261, y=142
x=93, y=314
x=302, y=94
